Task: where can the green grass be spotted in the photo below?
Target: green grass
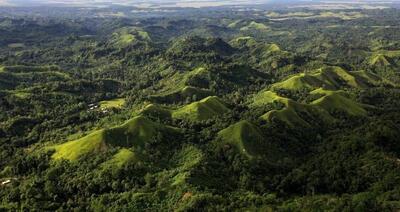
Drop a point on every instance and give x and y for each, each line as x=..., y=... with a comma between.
x=342, y=15
x=134, y=133
x=181, y=95
x=301, y=81
x=266, y=97
x=127, y=36
x=337, y=102
x=157, y=111
x=126, y=39
x=379, y=59
x=322, y=109
x=21, y=94
x=123, y=157
x=178, y=81
x=188, y=157
x=383, y=57
x=113, y=103
x=202, y=110
x=143, y=35
x=289, y=114
x=273, y=48
x=255, y=26
x=371, y=77
x=246, y=41
x=331, y=78
x=234, y=24
x=244, y=136
x=73, y=150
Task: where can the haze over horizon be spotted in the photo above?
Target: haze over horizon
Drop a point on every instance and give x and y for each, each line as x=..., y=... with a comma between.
x=177, y=3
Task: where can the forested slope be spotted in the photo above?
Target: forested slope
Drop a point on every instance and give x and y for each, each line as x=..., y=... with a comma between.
x=270, y=111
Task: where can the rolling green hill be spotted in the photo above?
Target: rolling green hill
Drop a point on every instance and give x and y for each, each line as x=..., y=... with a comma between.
x=255, y=26
x=118, y=160
x=204, y=109
x=73, y=150
x=187, y=92
x=328, y=78
x=154, y=107
x=133, y=133
x=29, y=76
x=337, y=102
x=266, y=97
x=112, y=103
x=323, y=109
x=177, y=84
x=158, y=111
x=245, y=137
x=127, y=36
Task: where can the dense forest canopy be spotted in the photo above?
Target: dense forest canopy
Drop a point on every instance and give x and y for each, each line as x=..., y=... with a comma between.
x=214, y=109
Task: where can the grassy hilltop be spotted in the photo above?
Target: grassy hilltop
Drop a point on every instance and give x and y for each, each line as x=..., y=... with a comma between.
x=212, y=109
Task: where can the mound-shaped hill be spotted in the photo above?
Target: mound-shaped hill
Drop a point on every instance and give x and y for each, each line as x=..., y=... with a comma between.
x=321, y=110
x=380, y=60
x=72, y=150
x=193, y=46
x=258, y=48
x=127, y=36
x=134, y=133
x=331, y=78
x=253, y=25
x=383, y=58
x=247, y=138
x=174, y=81
x=211, y=30
x=266, y=55
x=12, y=76
x=202, y=110
x=295, y=114
x=181, y=95
x=242, y=42
x=266, y=97
x=337, y=102
x=177, y=86
x=153, y=110
x=122, y=157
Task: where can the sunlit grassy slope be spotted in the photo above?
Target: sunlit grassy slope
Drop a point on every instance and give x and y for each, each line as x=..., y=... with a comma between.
x=133, y=133
x=181, y=94
x=118, y=160
x=255, y=26
x=245, y=136
x=127, y=36
x=113, y=103
x=204, y=109
x=329, y=78
x=322, y=109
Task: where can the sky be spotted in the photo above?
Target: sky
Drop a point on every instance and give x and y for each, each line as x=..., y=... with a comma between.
x=143, y=3
x=174, y=3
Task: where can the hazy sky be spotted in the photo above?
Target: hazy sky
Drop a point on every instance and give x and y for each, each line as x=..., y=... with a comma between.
x=178, y=3
x=133, y=2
